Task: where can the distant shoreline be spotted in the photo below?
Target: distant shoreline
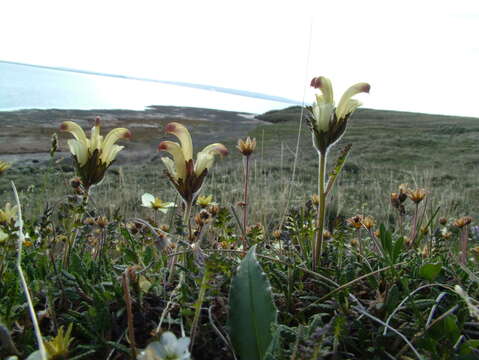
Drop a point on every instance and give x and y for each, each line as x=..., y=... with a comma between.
x=245, y=93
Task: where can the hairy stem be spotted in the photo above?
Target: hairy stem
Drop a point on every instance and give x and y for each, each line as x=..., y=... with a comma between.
x=318, y=239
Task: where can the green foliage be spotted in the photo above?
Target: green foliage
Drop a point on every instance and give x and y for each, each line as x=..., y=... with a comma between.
x=252, y=310
x=430, y=271
x=339, y=312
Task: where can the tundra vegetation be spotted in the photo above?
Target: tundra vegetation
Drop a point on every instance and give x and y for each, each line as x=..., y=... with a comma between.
x=358, y=244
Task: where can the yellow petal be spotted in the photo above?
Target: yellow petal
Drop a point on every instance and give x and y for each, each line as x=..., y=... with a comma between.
x=110, y=155
x=178, y=156
x=79, y=150
x=170, y=166
x=205, y=158
x=322, y=115
x=347, y=108
x=75, y=130
x=204, y=161
x=216, y=148
x=184, y=136
x=96, y=138
x=324, y=84
x=344, y=105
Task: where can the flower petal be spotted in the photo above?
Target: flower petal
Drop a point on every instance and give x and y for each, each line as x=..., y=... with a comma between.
x=324, y=84
x=110, y=139
x=178, y=156
x=344, y=106
x=110, y=154
x=79, y=150
x=347, y=108
x=147, y=199
x=205, y=158
x=170, y=166
x=182, y=133
x=75, y=130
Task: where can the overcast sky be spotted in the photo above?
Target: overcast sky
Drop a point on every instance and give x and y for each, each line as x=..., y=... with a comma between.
x=417, y=55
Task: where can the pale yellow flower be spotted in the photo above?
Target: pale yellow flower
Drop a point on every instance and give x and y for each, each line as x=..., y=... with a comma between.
x=187, y=175
x=93, y=156
x=8, y=214
x=4, y=166
x=327, y=121
x=204, y=201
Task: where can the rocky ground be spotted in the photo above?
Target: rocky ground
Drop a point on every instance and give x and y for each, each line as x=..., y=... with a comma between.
x=25, y=135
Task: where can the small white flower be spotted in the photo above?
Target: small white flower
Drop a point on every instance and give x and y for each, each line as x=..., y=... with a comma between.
x=168, y=348
x=155, y=203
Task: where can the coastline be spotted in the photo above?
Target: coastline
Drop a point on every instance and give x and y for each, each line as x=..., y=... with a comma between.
x=25, y=135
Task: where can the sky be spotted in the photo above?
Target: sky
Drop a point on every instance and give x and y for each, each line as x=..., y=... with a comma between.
x=417, y=55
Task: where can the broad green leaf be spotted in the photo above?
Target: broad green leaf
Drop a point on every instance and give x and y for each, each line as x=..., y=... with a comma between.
x=430, y=271
x=252, y=310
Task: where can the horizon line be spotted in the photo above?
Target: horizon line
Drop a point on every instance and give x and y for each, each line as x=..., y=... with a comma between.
x=245, y=93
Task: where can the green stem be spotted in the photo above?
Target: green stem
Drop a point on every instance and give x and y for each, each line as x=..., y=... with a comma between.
x=245, y=199
x=187, y=223
x=318, y=239
x=187, y=220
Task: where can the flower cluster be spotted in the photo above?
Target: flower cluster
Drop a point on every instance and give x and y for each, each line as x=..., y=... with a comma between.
x=327, y=122
x=187, y=175
x=93, y=156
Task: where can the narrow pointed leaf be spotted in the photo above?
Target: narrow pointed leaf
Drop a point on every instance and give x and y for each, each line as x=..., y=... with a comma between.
x=333, y=175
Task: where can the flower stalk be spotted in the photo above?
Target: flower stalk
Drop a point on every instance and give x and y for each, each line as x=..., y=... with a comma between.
x=328, y=124
x=246, y=148
x=318, y=241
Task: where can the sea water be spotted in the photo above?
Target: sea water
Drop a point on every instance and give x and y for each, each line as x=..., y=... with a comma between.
x=26, y=87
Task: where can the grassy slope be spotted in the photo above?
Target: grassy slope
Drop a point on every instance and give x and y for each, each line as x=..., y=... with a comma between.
x=389, y=148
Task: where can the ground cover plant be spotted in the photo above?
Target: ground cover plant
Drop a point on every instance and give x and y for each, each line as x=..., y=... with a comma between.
x=247, y=258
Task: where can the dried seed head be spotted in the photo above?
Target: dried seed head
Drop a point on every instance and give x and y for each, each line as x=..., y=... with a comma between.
x=165, y=228
x=395, y=200
x=247, y=146
x=198, y=220
x=425, y=252
x=443, y=221
x=368, y=222
x=355, y=221
x=89, y=221
x=407, y=241
x=102, y=221
x=75, y=182
x=403, y=189
x=315, y=200
x=277, y=234
x=131, y=227
x=327, y=235
x=241, y=204
x=417, y=195
x=463, y=221
x=354, y=242
x=446, y=235
x=213, y=210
